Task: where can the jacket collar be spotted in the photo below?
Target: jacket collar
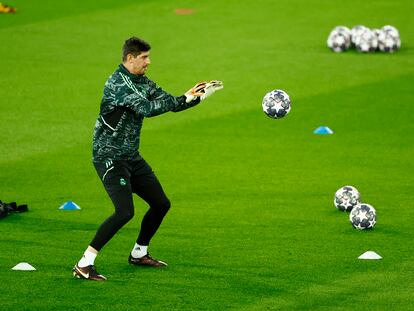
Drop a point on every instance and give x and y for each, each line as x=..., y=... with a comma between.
x=135, y=78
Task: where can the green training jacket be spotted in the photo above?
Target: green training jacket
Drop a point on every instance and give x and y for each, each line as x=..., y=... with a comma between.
x=126, y=101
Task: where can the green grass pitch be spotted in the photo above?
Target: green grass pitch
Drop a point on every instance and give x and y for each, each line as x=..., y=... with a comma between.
x=252, y=224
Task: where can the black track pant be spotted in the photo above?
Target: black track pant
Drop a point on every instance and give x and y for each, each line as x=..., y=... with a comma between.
x=121, y=179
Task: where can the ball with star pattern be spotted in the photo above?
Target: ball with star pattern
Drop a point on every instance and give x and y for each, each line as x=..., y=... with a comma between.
x=389, y=39
x=363, y=217
x=339, y=39
x=276, y=104
x=346, y=198
x=366, y=41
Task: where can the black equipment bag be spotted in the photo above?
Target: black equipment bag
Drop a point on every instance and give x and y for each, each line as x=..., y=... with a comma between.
x=12, y=207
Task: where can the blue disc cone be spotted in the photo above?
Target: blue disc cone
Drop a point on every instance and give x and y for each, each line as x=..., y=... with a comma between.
x=70, y=206
x=323, y=130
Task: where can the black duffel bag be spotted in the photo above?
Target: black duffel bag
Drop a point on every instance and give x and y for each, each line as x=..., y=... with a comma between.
x=6, y=208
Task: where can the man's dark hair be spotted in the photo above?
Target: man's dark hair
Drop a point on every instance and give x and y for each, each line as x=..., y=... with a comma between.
x=134, y=46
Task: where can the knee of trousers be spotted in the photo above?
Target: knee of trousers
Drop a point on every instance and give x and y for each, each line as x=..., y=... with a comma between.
x=164, y=206
x=125, y=216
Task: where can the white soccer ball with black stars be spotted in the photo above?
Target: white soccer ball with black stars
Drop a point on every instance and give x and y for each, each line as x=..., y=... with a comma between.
x=391, y=30
x=276, y=104
x=389, y=39
x=346, y=198
x=389, y=44
x=356, y=31
x=366, y=41
x=377, y=33
x=339, y=39
x=363, y=217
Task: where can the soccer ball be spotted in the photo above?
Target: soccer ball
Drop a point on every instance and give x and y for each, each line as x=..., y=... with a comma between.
x=377, y=33
x=389, y=44
x=356, y=31
x=366, y=41
x=389, y=39
x=343, y=29
x=339, y=39
x=346, y=198
x=391, y=30
x=363, y=217
x=276, y=104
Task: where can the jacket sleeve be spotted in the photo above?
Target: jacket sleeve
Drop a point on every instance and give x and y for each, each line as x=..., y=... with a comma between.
x=160, y=93
x=149, y=108
x=185, y=105
x=151, y=103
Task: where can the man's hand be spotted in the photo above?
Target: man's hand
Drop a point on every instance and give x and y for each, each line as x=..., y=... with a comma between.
x=196, y=91
x=210, y=88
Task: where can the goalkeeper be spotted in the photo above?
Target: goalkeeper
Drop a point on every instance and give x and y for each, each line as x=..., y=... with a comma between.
x=129, y=96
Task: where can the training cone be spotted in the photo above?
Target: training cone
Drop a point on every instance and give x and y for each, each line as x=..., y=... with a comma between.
x=24, y=266
x=323, y=130
x=370, y=255
x=70, y=206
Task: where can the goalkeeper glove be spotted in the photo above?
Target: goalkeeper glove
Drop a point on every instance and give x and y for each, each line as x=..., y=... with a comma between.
x=210, y=88
x=195, y=92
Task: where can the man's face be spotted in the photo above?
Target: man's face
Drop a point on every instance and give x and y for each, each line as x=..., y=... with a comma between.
x=138, y=64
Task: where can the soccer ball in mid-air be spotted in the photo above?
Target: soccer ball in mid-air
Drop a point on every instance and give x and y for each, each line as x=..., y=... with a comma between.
x=346, y=198
x=276, y=104
x=339, y=39
x=363, y=217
